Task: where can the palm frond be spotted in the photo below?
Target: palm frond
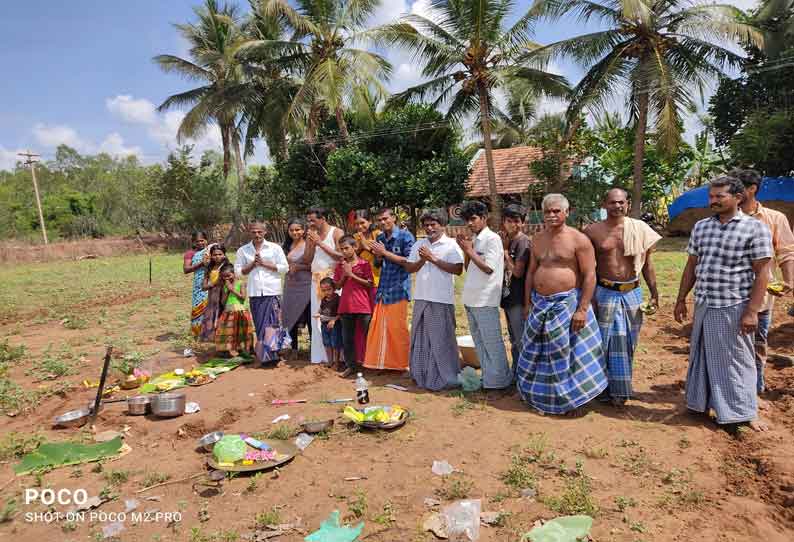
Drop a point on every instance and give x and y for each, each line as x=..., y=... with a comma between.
x=420, y=93
x=281, y=8
x=189, y=97
x=436, y=57
x=541, y=82
x=185, y=68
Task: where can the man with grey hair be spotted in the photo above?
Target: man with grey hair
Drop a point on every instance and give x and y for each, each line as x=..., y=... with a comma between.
x=561, y=366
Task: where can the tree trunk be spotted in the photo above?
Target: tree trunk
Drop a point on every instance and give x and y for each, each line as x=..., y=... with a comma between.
x=311, y=128
x=282, y=154
x=226, y=141
x=340, y=121
x=639, y=152
x=485, y=121
x=237, y=213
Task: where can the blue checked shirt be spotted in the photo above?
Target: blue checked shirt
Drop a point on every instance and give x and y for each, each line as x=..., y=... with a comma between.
x=395, y=281
x=724, y=273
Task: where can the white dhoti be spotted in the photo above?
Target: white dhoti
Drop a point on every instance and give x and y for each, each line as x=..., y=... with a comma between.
x=317, y=350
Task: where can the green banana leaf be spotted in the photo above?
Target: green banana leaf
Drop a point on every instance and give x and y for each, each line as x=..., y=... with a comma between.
x=58, y=454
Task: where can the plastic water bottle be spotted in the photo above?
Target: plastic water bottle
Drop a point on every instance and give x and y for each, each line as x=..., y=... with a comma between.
x=362, y=390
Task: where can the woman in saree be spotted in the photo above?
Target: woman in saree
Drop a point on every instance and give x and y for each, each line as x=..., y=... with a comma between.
x=195, y=261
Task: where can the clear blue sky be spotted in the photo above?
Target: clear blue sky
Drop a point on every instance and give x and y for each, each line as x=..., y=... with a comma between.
x=80, y=72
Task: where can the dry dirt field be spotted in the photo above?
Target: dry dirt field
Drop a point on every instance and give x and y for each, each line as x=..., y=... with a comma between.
x=649, y=472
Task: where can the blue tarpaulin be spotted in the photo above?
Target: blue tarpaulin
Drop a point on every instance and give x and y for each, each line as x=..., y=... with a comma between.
x=772, y=189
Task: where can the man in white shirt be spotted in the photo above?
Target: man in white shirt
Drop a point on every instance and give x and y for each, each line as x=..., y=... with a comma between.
x=264, y=264
x=482, y=293
x=434, y=349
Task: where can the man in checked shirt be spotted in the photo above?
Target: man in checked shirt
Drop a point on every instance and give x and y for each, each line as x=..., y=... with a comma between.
x=783, y=245
x=728, y=265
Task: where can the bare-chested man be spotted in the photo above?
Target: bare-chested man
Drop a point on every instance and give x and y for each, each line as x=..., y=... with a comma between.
x=561, y=366
x=623, y=249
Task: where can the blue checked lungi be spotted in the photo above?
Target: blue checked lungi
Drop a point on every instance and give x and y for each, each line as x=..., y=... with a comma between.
x=722, y=372
x=559, y=371
x=485, y=327
x=620, y=319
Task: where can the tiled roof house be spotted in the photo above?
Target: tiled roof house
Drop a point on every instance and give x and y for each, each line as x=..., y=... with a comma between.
x=511, y=166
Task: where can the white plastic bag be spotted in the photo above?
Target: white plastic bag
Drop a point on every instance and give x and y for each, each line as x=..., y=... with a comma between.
x=462, y=519
x=442, y=468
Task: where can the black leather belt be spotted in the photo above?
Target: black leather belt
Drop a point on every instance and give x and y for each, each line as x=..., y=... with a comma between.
x=619, y=286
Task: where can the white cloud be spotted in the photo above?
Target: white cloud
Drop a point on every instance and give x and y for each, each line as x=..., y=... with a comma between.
x=743, y=4
x=160, y=128
x=139, y=111
x=388, y=12
x=422, y=8
x=114, y=145
x=9, y=158
x=52, y=135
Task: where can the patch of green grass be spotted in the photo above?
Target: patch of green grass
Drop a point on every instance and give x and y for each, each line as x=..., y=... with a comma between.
x=253, y=482
x=519, y=475
x=154, y=478
x=128, y=362
x=462, y=405
x=31, y=287
x=536, y=447
x=455, y=487
x=638, y=463
x=74, y=321
x=575, y=499
x=357, y=504
x=14, y=445
x=14, y=398
x=8, y=511
x=108, y=493
x=281, y=432
x=595, y=453
x=116, y=477
x=9, y=354
x=268, y=517
x=622, y=503
x=386, y=515
x=637, y=527
x=53, y=366
x=499, y=497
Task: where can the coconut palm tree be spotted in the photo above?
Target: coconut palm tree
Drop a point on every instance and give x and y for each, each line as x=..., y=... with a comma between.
x=661, y=50
x=214, y=41
x=468, y=53
x=776, y=18
x=267, y=90
x=324, y=54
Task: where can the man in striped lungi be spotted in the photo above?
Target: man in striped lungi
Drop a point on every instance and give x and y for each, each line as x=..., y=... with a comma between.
x=728, y=265
x=436, y=260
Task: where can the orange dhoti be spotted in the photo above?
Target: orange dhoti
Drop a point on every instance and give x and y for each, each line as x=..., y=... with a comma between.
x=388, y=341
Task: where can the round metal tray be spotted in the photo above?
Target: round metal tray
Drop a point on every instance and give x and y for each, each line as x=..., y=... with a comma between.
x=384, y=425
x=281, y=446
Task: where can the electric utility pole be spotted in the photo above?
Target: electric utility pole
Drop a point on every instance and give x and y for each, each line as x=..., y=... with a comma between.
x=32, y=163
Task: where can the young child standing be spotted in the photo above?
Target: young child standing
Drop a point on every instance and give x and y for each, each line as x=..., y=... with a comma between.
x=354, y=276
x=213, y=286
x=329, y=317
x=235, y=332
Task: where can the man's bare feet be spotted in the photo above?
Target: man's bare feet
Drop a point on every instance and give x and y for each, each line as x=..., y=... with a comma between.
x=763, y=404
x=759, y=425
